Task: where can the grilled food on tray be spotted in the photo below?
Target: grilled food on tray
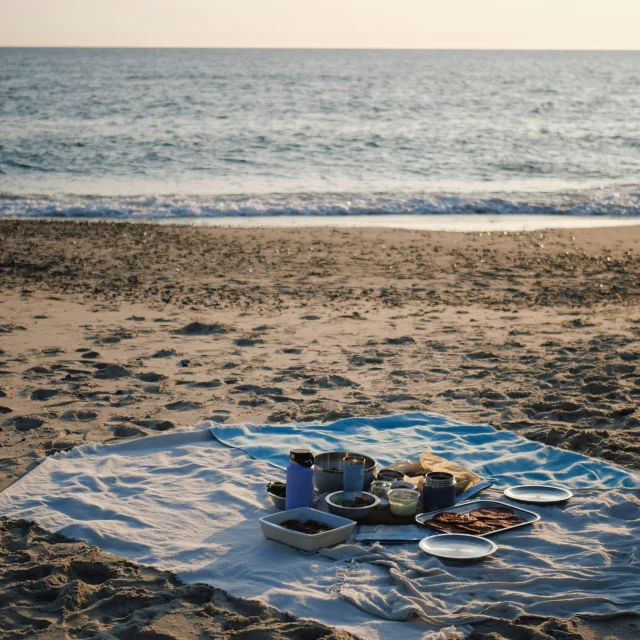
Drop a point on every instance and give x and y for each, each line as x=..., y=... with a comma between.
x=477, y=522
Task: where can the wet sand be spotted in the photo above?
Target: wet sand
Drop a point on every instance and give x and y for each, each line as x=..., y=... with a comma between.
x=112, y=331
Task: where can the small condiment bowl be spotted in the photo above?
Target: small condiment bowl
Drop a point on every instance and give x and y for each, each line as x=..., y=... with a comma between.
x=354, y=513
x=403, y=502
x=281, y=501
x=389, y=475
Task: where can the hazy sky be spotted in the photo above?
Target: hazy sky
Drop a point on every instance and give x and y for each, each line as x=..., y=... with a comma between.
x=513, y=24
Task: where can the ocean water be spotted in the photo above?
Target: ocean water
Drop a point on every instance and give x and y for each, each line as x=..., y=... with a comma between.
x=165, y=133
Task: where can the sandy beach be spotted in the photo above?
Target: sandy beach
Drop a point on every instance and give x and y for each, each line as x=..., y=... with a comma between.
x=112, y=331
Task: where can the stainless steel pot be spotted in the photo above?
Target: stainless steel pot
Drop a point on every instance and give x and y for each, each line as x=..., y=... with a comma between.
x=327, y=470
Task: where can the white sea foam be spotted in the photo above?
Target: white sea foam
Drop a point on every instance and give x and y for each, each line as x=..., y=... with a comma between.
x=596, y=203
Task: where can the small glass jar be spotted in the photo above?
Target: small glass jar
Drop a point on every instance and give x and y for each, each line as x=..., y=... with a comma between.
x=403, y=502
x=380, y=488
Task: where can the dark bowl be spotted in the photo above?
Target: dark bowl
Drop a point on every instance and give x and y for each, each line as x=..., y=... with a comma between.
x=281, y=501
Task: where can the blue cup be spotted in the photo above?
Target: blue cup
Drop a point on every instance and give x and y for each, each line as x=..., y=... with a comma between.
x=353, y=473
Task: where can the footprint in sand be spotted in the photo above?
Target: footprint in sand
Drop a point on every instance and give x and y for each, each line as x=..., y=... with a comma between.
x=200, y=329
x=27, y=423
x=41, y=395
x=597, y=388
x=482, y=355
x=183, y=405
x=262, y=328
x=53, y=351
x=248, y=342
x=261, y=391
x=124, y=431
x=10, y=328
x=156, y=425
x=208, y=384
x=111, y=372
x=79, y=416
x=164, y=353
x=38, y=371
x=330, y=382
x=401, y=340
x=151, y=377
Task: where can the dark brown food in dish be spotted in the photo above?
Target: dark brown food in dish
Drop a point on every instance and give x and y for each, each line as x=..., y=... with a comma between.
x=505, y=522
x=477, y=522
x=494, y=513
x=444, y=527
x=454, y=518
x=310, y=527
x=478, y=527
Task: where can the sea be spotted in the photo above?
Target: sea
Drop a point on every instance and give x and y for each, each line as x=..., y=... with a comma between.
x=284, y=135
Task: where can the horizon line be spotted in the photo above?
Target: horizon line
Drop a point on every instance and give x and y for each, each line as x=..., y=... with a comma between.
x=269, y=48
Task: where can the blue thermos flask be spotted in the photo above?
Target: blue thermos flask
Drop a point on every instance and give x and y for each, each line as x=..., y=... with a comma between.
x=299, y=479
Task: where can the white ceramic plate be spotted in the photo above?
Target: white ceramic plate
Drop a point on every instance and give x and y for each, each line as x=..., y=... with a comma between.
x=458, y=546
x=538, y=494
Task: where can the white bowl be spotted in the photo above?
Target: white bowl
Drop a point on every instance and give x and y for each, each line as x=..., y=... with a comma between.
x=354, y=513
x=272, y=530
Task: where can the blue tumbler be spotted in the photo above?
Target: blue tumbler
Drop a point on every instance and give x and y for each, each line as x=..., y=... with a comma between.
x=353, y=473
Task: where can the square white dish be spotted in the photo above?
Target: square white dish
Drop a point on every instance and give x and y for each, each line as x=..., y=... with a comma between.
x=342, y=528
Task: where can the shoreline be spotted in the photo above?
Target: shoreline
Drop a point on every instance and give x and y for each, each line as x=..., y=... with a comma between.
x=461, y=223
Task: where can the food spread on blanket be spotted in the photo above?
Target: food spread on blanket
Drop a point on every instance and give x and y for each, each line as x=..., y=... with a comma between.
x=310, y=527
x=477, y=522
x=429, y=480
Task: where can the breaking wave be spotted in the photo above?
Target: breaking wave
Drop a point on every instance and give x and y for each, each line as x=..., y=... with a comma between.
x=307, y=204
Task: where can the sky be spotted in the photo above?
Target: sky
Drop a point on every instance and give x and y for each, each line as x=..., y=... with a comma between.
x=411, y=24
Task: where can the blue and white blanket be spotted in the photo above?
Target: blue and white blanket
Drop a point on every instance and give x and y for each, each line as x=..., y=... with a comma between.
x=186, y=502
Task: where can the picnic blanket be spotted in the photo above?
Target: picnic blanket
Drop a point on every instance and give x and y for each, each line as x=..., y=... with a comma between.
x=186, y=502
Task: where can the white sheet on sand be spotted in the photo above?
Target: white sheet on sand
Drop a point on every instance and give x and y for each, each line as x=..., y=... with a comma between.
x=186, y=502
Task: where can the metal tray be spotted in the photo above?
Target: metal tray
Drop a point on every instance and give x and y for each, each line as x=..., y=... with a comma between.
x=466, y=507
